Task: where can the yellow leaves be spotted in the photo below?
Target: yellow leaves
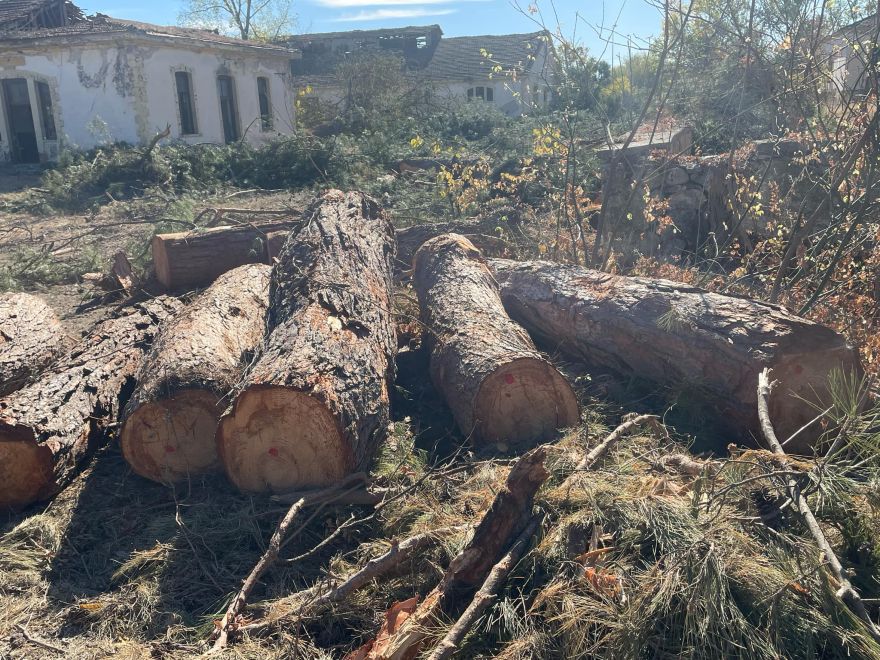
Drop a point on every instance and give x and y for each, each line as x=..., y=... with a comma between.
x=416, y=142
x=542, y=248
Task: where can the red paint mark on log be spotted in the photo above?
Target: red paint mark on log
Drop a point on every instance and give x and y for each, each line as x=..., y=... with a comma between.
x=169, y=449
x=273, y=451
x=509, y=379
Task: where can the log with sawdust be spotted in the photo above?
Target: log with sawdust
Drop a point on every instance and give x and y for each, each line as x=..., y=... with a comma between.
x=314, y=405
x=196, y=361
x=194, y=259
x=50, y=428
x=498, y=386
x=31, y=338
x=682, y=336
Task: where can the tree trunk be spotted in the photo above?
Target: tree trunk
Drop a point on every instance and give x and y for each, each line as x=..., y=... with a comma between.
x=189, y=260
x=196, y=361
x=31, y=338
x=314, y=406
x=678, y=335
x=49, y=428
x=410, y=239
x=499, y=388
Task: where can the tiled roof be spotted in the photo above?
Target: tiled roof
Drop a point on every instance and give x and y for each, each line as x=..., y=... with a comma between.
x=459, y=58
x=20, y=13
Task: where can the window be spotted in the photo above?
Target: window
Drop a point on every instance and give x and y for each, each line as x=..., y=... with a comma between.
x=482, y=93
x=47, y=117
x=228, y=108
x=185, y=103
x=265, y=103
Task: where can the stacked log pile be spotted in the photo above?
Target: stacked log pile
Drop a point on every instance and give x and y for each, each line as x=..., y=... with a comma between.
x=281, y=375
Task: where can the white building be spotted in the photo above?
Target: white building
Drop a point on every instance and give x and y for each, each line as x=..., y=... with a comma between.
x=67, y=80
x=854, y=60
x=512, y=71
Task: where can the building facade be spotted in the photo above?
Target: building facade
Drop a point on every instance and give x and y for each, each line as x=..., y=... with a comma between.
x=72, y=81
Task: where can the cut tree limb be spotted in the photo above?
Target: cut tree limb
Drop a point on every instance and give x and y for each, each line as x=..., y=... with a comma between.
x=487, y=593
x=193, y=259
x=509, y=515
x=498, y=386
x=51, y=427
x=845, y=592
x=31, y=338
x=197, y=359
x=681, y=336
x=314, y=405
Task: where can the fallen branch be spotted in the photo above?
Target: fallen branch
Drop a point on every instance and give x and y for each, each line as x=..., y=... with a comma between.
x=220, y=636
x=845, y=592
x=487, y=593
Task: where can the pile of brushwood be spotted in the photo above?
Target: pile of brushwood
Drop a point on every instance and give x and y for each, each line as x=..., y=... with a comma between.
x=332, y=451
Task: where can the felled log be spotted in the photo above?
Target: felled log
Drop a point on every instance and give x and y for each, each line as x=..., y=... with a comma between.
x=499, y=388
x=681, y=336
x=410, y=239
x=31, y=337
x=197, y=359
x=314, y=406
x=193, y=259
x=50, y=428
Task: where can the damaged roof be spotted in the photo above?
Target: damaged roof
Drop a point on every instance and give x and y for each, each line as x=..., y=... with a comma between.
x=460, y=58
x=17, y=28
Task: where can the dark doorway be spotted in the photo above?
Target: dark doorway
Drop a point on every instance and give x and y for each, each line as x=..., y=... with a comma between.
x=228, y=108
x=20, y=119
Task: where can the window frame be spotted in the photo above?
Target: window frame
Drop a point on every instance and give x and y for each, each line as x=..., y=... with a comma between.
x=267, y=117
x=485, y=93
x=46, y=110
x=190, y=92
x=236, y=112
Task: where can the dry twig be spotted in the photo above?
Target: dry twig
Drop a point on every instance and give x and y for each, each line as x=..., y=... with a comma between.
x=845, y=592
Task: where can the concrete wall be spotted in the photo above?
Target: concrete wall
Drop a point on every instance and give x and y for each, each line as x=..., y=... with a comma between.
x=124, y=90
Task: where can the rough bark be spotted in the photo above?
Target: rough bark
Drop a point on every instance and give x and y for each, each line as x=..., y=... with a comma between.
x=681, y=336
x=193, y=259
x=410, y=239
x=499, y=388
x=50, y=428
x=31, y=338
x=196, y=361
x=314, y=405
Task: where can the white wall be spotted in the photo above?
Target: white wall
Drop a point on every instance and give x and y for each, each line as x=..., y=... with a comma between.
x=128, y=87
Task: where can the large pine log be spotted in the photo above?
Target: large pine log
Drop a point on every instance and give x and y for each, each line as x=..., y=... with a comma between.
x=193, y=259
x=681, y=336
x=499, y=388
x=197, y=359
x=49, y=428
x=31, y=337
x=314, y=406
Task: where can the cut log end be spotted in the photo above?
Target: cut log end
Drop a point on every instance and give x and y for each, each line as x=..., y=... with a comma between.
x=172, y=440
x=278, y=439
x=25, y=471
x=524, y=402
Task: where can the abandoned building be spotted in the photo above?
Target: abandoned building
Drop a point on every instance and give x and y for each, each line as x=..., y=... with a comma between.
x=854, y=59
x=513, y=71
x=70, y=80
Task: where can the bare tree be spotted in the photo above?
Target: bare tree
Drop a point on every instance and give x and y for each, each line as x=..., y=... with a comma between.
x=261, y=20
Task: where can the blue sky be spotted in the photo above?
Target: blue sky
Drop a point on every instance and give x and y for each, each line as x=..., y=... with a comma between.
x=456, y=17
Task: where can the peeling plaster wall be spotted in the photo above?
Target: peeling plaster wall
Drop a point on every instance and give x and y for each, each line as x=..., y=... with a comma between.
x=125, y=91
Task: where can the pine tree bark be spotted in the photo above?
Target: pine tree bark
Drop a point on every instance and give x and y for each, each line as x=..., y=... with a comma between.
x=681, y=336
x=498, y=386
x=196, y=361
x=50, y=428
x=314, y=405
x=31, y=338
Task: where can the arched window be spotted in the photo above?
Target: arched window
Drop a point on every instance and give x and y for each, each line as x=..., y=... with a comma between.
x=482, y=93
